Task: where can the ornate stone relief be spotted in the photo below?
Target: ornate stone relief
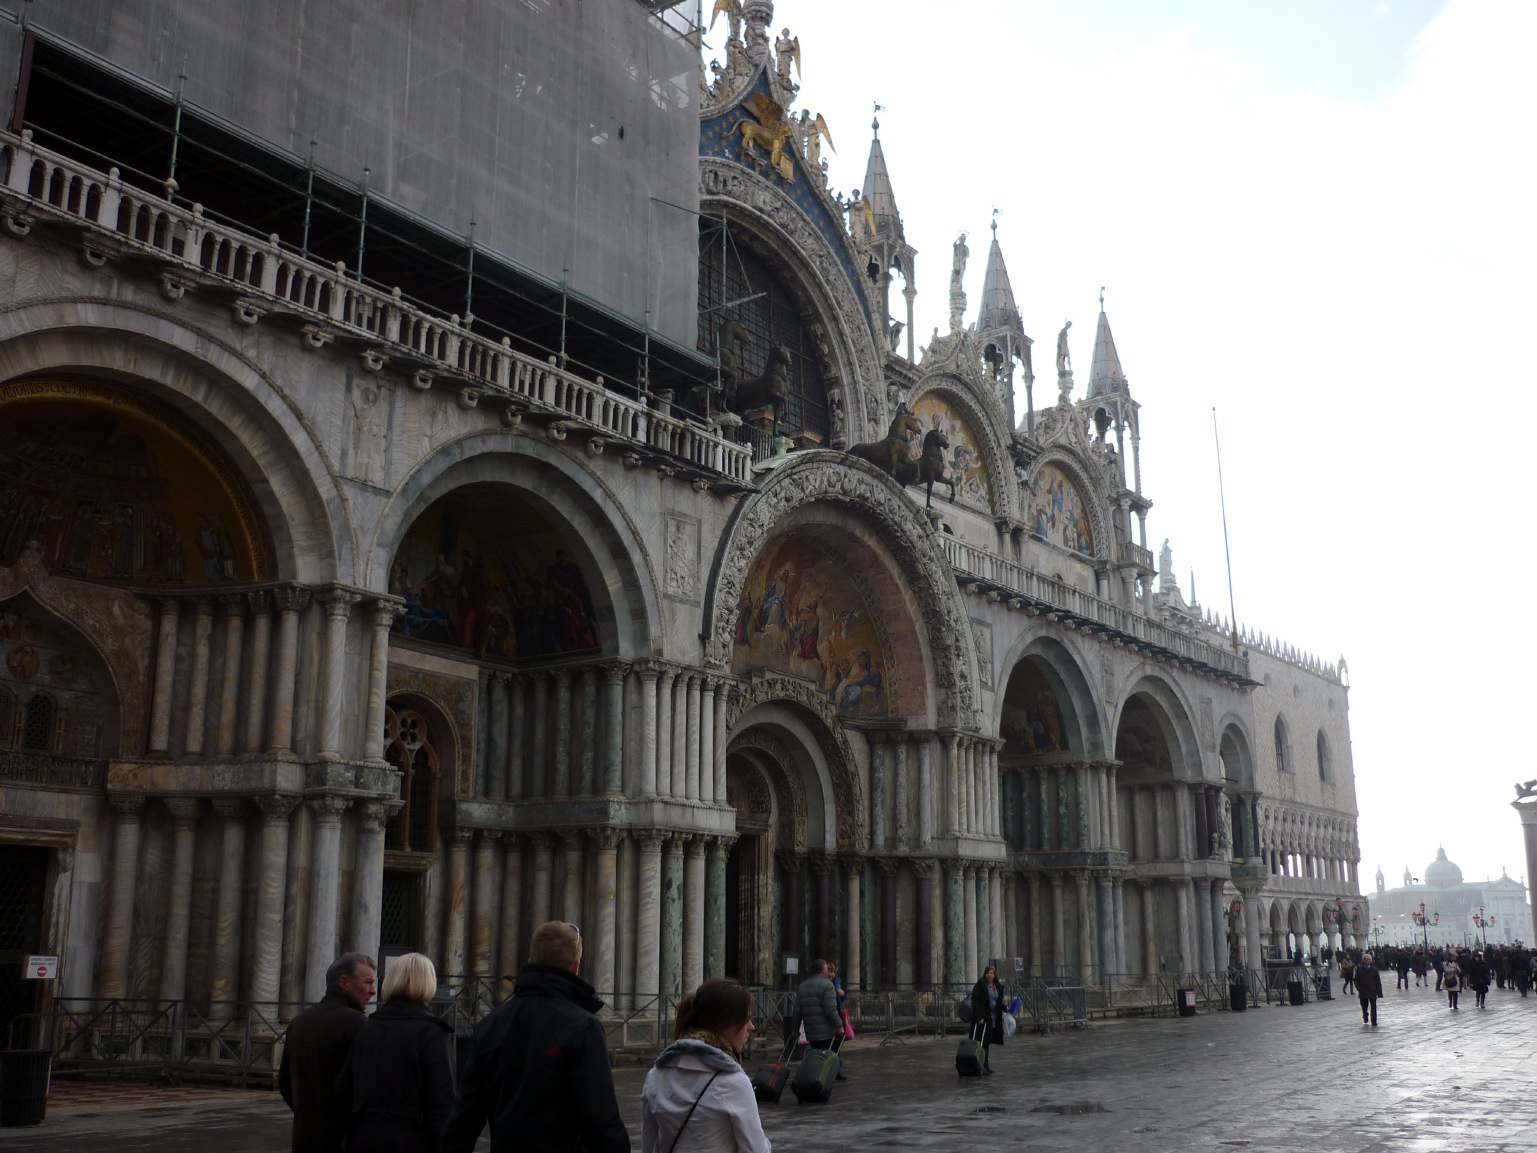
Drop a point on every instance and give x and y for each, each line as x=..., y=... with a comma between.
x=682, y=553
x=814, y=477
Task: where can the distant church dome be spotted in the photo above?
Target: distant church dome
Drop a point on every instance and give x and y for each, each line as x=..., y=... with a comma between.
x=1441, y=873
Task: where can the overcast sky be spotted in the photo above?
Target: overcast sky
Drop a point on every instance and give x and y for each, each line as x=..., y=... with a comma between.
x=1316, y=217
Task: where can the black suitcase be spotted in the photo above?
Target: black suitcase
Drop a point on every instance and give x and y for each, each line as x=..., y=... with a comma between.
x=814, y=1076
x=768, y=1083
x=968, y=1057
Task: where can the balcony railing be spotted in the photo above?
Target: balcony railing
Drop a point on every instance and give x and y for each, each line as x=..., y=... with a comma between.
x=1063, y=601
x=270, y=278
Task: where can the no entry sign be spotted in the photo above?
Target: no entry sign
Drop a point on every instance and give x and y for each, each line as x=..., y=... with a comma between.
x=41, y=968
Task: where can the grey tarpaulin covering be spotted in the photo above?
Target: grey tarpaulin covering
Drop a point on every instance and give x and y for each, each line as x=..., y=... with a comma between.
x=565, y=129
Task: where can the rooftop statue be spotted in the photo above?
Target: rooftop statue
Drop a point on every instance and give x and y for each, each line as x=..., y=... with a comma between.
x=1064, y=360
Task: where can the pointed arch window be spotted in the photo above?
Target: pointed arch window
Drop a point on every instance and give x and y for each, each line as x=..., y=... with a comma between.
x=1282, y=761
x=1325, y=770
x=409, y=750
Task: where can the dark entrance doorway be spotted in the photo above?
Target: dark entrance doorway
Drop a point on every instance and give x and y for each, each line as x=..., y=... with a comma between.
x=400, y=913
x=23, y=873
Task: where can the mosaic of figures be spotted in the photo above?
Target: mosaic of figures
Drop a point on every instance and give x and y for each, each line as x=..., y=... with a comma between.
x=482, y=570
x=110, y=496
x=51, y=688
x=798, y=613
x=1057, y=511
x=1031, y=723
x=962, y=455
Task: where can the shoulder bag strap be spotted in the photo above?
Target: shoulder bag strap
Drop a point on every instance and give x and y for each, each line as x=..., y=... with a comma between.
x=691, y=1109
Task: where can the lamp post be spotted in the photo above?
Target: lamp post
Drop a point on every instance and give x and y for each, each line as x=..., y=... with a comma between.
x=1424, y=921
x=1376, y=930
x=1480, y=920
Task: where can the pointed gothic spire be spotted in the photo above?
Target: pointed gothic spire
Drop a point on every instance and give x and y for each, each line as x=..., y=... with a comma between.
x=877, y=190
x=997, y=309
x=1105, y=375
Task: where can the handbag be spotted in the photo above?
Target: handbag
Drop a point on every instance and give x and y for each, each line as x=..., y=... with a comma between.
x=1010, y=1026
x=848, y=1025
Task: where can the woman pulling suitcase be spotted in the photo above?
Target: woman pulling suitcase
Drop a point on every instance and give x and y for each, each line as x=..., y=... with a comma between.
x=987, y=1006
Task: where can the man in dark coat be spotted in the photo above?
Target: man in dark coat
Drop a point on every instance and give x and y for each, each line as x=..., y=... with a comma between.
x=316, y=1047
x=1368, y=988
x=538, y=1067
x=816, y=1004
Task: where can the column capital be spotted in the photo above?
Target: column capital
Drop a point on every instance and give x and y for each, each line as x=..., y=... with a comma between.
x=372, y=815
x=126, y=804
x=461, y=835
x=540, y=841
x=230, y=808
x=291, y=598
x=277, y=807
x=203, y=606
x=696, y=846
x=720, y=846
x=487, y=838
x=385, y=610
x=184, y=810
x=259, y=601
x=234, y=603
x=561, y=677
x=651, y=840
x=922, y=866
x=616, y=671
x=647, y=669
x=677, y=841
x=888, y=866
x=328, y=808
x=607, y=838
x=339, y=601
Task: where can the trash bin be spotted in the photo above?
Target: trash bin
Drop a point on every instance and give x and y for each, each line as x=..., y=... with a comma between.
x=1294, y=992
x=23, y=1086
x=1238, y=996
x=1186, y=1001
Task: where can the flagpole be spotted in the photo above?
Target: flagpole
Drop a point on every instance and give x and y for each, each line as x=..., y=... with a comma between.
x=1226, y=548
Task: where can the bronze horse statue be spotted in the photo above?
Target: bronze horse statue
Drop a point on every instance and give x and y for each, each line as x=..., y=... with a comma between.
x=769, y=390
x=893, y=455
x=931, y=465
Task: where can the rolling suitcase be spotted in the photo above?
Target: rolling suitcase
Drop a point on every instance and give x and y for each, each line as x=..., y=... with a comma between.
x=768, y=1083
x=813, y=1082
x=968, y=1057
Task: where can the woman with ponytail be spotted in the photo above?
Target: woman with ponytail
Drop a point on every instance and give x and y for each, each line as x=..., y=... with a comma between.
x=697, y=1097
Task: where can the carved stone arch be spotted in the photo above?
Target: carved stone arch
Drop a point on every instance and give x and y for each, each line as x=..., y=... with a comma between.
x=117, y=626
x=839, y=479
x=624, y=569
x=808, y=262
x=253, y=421
x=1236, y=741
x=1000, y=472
x=773, y=765
x=1065, y=668
x=826, y=729
x=450, y=705
x=1174, y=716
x=1071, y=464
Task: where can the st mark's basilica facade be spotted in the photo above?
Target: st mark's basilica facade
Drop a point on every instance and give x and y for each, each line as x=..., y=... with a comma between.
x=332, y=620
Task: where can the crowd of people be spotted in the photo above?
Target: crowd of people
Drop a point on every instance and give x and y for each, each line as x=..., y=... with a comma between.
x=1454, y=969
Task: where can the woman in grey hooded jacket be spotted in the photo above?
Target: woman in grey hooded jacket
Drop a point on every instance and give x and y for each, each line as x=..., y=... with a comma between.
x=697, y=1097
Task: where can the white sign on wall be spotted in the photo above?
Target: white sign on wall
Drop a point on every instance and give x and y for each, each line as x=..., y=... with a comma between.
x=40, y=968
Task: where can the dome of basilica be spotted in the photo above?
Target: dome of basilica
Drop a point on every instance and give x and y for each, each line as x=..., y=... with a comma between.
x=1442, y=873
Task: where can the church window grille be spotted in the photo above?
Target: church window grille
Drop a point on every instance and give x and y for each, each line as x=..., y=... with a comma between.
x=38, y=724
x=409, y=750
x=7, y=718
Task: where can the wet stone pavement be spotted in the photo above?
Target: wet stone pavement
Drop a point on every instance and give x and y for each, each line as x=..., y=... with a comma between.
x=1311, y=1077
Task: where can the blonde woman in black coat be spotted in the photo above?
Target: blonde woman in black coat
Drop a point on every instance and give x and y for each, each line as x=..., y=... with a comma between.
x=987, y=1005
x=398, y=1082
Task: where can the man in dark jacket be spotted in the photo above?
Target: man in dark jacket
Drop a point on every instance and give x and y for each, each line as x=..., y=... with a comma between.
x=315, y=1050
x=1368, y=988
x=538, y=1066
x=816, y=1000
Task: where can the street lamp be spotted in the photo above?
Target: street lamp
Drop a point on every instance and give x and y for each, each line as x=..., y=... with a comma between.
x=1424, y=921
x=1376, y=930
x=1480, y=920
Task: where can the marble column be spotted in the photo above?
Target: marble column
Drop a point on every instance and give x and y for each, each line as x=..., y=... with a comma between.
x=664, y=732
x=672, y=918
x=1085, y=899
x=333, y=666
x=969, y=924
x=483, y=910
x=692, y=737
x=1058, y=926
x=715, y=909
x=888, y=955
x=271, y=889
x=693, y=914
x=496, y=736
x=925, y=794
x=1037, y=927
x=950, y=771
x=707, y=792
x=571, y=892
x=259, y=672
x=1180, y=891
x=648, y=727
x=877, y=793
x=648, y=916
x=903, y=797
x=542, y=893
x=1251, y=930
x=822, y=870
x=539, y=746
x=923, y=924
x=964, y=781
x=224, y=989
x=722, y=702
x=852, y=868
x=955, y=926
x=384, y=612
x=197, y=680
x=1526, y=811
x=1218, y=921
x=122, y=887
x=517, y=738
x=562, y=786
x=1118, y=920
x=678, y=758
x=614, y=675
x=161, y=704
x=229, y=682
x=510, y=952
x=1107, y=961
x=588, y=732
x=325, y=883
x=1204, y=959
x=456, y=903
x=600, y=966
x=291, y=601
x=368, y=880
x=173, y=969
x=995, y=891
x=1149, y=927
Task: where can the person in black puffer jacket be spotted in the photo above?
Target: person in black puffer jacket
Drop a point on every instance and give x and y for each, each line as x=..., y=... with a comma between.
x=538, y=1067
x=397, y=1084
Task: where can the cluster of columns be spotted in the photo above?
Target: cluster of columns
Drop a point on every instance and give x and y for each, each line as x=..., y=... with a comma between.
x=564, y=733
x=273, y=930
x=251, y=702
x=1295, y=842
x=1050, y=808
x=972, y=802
x=901, y=816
